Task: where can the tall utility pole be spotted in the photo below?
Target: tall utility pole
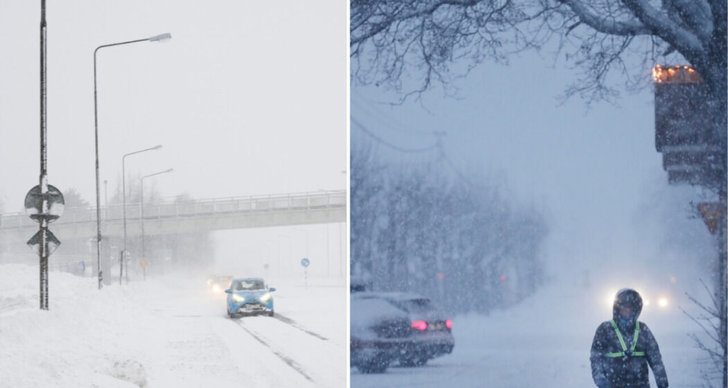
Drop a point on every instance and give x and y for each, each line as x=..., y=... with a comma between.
x=723, y=300
x=43, y=203
x=43, y=165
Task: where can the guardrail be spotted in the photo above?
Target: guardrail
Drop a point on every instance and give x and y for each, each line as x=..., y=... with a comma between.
x=193, y=208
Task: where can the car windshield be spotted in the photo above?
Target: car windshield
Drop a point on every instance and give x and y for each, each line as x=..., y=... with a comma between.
x=414, y=305
x=248, y=285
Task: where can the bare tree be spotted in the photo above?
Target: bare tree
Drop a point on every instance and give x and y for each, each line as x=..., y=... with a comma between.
x=412, y=44
x=415, y=228
x=393, y=40
x=711, y=342
x=73, y=198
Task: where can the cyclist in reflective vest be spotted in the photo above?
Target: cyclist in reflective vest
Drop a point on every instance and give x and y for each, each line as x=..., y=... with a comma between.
x=624, y=347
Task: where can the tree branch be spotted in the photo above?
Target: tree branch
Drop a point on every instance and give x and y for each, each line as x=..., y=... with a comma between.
x=603, y=25
x=685, y=41
x=695, y=14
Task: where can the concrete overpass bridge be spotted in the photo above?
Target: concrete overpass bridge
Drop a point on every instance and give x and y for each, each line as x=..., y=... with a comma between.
x=186, y=216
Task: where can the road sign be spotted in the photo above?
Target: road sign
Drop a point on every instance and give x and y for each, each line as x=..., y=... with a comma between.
x=711, y=213
x=305, y=262
x=34, y=203
x=35, y=242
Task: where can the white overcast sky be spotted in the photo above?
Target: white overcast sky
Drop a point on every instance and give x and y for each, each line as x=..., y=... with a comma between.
x=247, y=98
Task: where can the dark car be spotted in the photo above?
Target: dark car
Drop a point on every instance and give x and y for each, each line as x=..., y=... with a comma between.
x=379, y=331
x=359, y=284
x=392, y=326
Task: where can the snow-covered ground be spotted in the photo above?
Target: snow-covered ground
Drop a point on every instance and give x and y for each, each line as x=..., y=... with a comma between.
x=542, y=342
x=166, y=332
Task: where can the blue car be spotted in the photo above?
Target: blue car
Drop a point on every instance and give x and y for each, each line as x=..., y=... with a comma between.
x=249, y=296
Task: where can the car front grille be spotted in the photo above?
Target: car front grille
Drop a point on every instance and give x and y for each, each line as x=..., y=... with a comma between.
x=252, y=307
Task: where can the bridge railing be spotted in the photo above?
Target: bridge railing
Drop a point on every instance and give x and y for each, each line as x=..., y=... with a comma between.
x=193, y=208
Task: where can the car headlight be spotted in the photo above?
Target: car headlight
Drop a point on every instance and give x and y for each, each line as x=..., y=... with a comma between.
x=216, y=289
x=238, y=298
x=265, y=298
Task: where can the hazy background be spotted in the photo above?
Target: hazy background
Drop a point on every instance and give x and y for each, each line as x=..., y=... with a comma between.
x=591, y=170
x=591, y=173
x=247, y=98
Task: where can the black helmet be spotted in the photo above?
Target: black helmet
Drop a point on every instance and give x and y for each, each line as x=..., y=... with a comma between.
x=628, y=297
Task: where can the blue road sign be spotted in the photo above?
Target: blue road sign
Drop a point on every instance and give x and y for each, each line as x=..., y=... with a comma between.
x=305, y=262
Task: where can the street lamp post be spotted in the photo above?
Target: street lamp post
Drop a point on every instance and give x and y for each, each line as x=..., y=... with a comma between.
x=123, y=196
x=156, y=38
x=142, y=205
x=106, y=199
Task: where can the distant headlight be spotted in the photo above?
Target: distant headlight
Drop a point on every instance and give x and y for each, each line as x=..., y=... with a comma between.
x=238, y=298
x=216, y=289
x=265, y=298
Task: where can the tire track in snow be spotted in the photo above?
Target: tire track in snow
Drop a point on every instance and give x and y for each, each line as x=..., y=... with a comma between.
x=295, y=324
x=289, y=361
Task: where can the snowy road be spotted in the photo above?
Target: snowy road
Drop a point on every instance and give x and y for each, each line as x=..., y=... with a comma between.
x=170, y=332
x=538, y=343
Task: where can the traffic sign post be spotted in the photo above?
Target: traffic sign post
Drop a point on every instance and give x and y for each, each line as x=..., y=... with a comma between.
x=144, y=264
x=305, y=262
x=712, y=213
x=44, y=204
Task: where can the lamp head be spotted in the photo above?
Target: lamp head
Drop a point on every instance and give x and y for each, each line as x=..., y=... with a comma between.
x=161, y=37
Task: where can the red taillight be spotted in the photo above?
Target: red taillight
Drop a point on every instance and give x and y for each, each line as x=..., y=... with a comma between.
x=419, y=325
x=448, y=324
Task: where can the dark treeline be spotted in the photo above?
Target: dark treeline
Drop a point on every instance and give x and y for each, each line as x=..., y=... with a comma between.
x=416, y=229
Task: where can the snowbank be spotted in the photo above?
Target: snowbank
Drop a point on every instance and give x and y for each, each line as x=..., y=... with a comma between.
x=159, y=333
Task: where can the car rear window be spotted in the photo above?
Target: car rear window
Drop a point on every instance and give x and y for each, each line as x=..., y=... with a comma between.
x=368, y=312
x=414, y=305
